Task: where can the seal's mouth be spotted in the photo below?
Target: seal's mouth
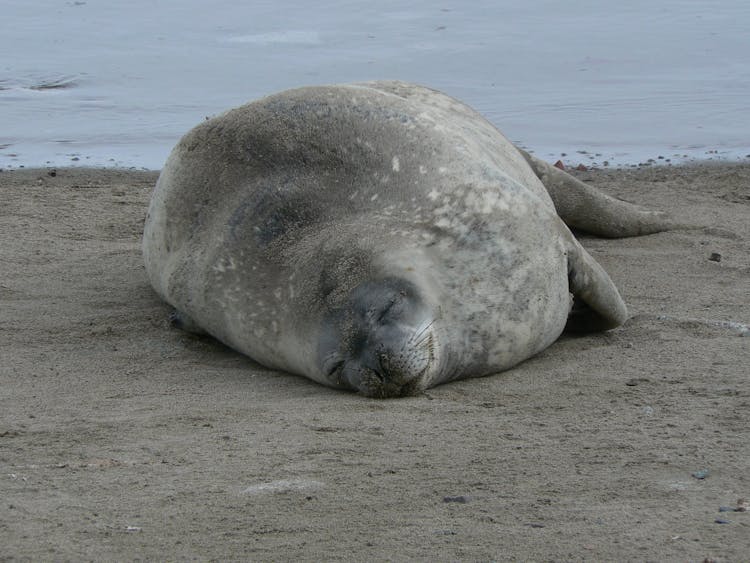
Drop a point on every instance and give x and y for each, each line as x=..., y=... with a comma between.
x=389, y=373
x=374, y=385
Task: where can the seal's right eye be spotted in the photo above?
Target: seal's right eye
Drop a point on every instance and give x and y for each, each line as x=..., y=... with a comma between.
x=394, y=306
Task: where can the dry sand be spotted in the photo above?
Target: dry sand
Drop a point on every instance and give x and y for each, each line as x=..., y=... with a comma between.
x=121, y=438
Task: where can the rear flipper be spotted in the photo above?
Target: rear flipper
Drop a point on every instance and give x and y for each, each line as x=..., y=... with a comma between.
x=184, y=322
x=597, y=304
x=585, y=208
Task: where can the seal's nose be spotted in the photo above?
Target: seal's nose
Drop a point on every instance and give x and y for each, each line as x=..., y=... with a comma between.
x=379, y=383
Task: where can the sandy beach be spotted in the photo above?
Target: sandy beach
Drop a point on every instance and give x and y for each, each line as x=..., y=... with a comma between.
x=122, y=438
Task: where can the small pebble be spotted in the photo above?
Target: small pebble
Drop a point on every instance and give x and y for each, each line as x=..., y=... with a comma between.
x=702, y=474
x=721, y=521
x=634, y=381
x=462, y=499
x=715, y=257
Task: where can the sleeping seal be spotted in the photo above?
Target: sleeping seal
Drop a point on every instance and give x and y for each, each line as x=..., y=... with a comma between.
x=378, y=237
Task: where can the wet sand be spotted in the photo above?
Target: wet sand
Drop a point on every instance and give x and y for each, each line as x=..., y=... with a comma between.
x=122, y=438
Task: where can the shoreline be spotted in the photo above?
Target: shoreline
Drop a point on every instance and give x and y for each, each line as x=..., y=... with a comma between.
x=590, y=159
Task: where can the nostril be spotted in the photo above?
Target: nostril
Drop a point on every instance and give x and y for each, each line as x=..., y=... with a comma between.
x=381, y=367
x=375, y=365
x=380, y=376
x=384, y=362
x=334, y=367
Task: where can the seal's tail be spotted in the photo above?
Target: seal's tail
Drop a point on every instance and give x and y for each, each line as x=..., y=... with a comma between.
x=585, y=208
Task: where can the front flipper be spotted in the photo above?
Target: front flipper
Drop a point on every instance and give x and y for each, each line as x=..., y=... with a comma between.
x=597, y=304
x=588, y=209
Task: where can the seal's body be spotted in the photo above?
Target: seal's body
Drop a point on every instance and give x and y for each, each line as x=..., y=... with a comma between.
x=380, y=237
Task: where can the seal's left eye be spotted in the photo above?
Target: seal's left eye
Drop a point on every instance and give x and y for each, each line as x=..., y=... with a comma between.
x=394, y=307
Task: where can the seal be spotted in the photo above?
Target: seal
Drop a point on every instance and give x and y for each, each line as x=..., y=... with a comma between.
x=379, y=237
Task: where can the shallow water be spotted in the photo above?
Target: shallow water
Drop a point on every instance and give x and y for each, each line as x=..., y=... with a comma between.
x=116, y=84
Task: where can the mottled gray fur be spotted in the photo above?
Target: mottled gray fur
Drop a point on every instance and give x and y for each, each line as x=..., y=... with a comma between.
x=380, y=237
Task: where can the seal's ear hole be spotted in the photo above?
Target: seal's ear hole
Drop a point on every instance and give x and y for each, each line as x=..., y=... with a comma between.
x=326, y=285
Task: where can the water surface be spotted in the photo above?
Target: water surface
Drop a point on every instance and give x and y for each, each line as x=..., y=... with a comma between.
x=116, y=84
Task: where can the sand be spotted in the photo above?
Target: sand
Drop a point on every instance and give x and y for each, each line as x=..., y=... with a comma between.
x=122, y=438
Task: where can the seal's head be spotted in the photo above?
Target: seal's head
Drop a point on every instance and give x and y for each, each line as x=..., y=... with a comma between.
x=380, y=341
